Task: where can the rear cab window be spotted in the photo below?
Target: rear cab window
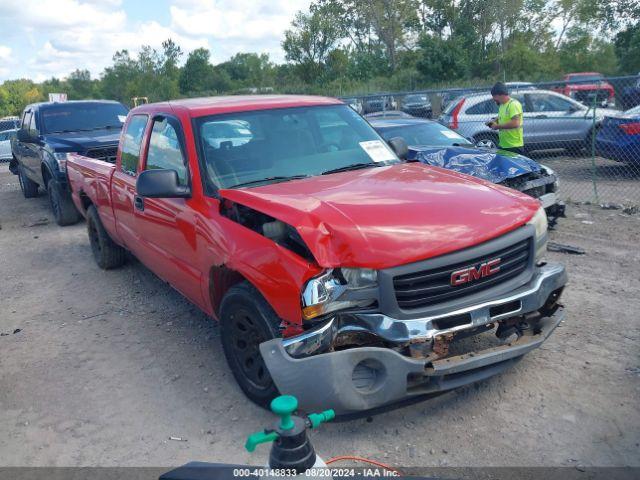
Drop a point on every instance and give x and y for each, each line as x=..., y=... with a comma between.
x=131, y=143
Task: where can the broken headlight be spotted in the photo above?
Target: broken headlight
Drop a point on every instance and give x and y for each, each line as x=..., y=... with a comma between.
x=551, y=171
x=539, y=222
x=337, y=289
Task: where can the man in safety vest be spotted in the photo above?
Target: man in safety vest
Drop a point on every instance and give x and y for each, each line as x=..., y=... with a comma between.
x=509, y=121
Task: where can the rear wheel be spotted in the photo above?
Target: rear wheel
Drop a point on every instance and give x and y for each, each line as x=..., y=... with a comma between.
x=487, y=140
x=64, y=211
x=247, y=320
x=29, y=187
x=106, y=252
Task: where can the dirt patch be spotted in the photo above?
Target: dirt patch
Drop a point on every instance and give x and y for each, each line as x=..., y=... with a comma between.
x=107, y=366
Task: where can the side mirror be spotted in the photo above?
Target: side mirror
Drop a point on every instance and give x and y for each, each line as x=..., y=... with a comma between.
x=399, y=146
x=23, y=135
x=161, y=184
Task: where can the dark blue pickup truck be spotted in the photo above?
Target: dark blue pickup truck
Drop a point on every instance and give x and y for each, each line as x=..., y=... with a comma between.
x=48, y=132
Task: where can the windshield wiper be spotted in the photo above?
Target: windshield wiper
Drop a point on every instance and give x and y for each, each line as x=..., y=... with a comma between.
x=276, y=179
x=353, y=166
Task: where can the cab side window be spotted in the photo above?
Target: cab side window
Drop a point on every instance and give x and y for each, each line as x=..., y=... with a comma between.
x=131, y=142
x=165, y=150
x=32, y=124
x=26, y=119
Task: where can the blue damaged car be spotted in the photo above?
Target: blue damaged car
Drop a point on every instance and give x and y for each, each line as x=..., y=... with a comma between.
x=434, y=144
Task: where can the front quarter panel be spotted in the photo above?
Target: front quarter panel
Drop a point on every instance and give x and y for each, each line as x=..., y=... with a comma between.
x=276, y=272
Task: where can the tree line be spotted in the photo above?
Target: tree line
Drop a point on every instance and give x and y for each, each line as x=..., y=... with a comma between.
x=342, y=47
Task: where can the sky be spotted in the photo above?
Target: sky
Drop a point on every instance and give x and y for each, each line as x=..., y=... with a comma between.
x=46, y=38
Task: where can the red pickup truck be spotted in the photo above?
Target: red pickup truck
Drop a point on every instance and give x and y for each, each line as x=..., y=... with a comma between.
x=588, y=88
x=339, y=273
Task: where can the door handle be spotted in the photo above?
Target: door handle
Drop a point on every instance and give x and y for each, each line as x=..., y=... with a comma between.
x=138, y=202
x=540, y=116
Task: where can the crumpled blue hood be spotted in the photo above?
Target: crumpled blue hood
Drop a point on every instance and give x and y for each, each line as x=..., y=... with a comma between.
x=492, y=165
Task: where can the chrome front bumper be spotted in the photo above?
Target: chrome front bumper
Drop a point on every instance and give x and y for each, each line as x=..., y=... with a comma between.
x=362, y=378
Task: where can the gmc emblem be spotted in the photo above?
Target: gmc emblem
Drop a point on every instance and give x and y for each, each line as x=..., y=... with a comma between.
x=473, y=273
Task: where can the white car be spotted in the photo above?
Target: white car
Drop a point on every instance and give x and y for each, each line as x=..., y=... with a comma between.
x=5, y=144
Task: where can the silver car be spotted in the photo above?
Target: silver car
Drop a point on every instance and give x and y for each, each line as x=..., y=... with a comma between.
x=551, y=120
x=5, y=144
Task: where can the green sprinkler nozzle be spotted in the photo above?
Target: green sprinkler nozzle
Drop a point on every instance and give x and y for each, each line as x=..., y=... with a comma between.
x=317, y=418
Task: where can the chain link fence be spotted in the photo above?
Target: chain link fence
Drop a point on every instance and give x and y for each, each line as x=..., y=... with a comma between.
x=585, y=128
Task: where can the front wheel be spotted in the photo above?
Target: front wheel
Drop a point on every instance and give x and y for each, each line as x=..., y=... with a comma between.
x=64, y=211
x=246, y=321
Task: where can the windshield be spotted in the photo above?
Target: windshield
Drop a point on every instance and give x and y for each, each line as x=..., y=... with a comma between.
x=70, y=117
x=259, y=147
x=584, y=78
x=431, y=134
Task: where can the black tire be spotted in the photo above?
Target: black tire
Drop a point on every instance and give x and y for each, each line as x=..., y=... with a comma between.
x=64, y=211
x=106, y=252
x=486, y=140
x=247, y=320
x=29, y=187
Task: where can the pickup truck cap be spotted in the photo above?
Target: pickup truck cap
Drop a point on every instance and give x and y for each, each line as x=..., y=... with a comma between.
x=354, y=218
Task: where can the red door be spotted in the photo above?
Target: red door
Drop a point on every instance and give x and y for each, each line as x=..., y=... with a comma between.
x=166, y=226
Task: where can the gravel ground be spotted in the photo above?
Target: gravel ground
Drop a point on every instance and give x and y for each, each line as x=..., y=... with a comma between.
x=104, y=367
x=615, y=182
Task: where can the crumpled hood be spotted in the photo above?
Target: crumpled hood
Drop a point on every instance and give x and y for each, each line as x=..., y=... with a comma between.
x=388, y=216
x=492, y=165
x=81, y=141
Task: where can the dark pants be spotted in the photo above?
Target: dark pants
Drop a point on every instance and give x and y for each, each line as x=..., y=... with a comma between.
x=518, y=150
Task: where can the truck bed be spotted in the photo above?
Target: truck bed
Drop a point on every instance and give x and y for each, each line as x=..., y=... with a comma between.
x=90, y=183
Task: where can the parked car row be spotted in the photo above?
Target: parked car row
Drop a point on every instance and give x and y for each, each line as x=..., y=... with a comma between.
x=339, y=272
x=588, y=88
x=551, y=120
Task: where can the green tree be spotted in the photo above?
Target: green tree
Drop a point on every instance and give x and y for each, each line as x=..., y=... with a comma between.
x=117, y=81
x=627, y=48
x=197, y=73
x=79, y=85
x=16, y=94
x=250, y=70
x=582, y=52
x=441, y=60
x=310, y=40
